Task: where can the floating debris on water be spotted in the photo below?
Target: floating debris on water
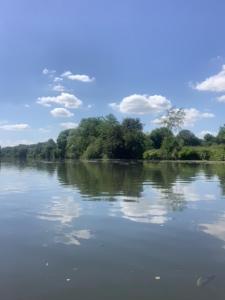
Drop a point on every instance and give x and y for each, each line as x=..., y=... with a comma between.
x=68, y=279
x=203, y=280
x=157, y=277
x=46, y=264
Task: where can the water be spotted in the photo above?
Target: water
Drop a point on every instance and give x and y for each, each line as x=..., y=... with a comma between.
x=114, y=230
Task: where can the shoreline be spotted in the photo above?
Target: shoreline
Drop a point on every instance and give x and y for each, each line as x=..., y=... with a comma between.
x=114, y=161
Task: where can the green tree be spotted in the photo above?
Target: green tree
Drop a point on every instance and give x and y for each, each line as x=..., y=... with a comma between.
x=209, y=139
x=62, y=143
x=221, y=135
x=173, y=119
x=133, y=137
x=170, y=147
x=188, y=138
x=158, y=135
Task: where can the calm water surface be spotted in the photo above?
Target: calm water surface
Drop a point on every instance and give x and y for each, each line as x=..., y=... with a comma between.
x=114, y=230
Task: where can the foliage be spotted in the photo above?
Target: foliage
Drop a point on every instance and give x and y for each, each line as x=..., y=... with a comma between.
x=187, y=138
x=213, y=153
x=188, y=153
x=170, y=147
x=158, y=135
x=174, y=119
x=154, y=154
x=209, y=139
x=106, y=138
x=62, y=142
x=221, y=135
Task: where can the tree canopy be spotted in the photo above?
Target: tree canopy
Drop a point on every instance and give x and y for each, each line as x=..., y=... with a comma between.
x=107, y=138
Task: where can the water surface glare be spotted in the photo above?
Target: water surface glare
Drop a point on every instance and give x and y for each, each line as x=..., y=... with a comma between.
x=112, y=230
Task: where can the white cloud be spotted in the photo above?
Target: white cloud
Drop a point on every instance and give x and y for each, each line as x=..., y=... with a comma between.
x=61, y=112
x=192, y=115
x=58, y=88
x=46, y=71
x=142, y=104
x=58, y=79
x=215, y=83
x=78, y=77
x=14, y=127
x=221, y=98
x=65, y=99
x=204, y=132
x=69, y=125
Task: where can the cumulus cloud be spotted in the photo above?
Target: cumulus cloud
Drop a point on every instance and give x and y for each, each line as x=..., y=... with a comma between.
x=14, y=127
x=65, y=99
x=58, y=88
x=69, y=125
x=61, y=112
x=192, y=115
x=142, y=104
x=78, y=77
x=215, y=83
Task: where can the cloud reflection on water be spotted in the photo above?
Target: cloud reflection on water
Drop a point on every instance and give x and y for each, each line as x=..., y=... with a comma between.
x=63, y=211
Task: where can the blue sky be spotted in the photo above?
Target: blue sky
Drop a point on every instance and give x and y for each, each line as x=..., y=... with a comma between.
x=61, y=61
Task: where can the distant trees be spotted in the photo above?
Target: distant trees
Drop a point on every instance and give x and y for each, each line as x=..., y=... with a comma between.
x=40, y=151
x=107, y=138
x=188, y=138
x=209, y=139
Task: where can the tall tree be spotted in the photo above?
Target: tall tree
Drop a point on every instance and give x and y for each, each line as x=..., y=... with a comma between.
x=173, y=119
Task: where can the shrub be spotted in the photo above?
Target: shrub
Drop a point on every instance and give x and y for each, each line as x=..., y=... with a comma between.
x=153, y=154
x=217, y=153
x=189, y=154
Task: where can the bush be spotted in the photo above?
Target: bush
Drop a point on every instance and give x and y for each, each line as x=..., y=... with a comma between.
x=153, y=154
x=217, y=153
x=170, y=148
x=189, y=154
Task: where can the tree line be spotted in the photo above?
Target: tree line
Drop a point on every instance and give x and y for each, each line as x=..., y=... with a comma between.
x=107, y=138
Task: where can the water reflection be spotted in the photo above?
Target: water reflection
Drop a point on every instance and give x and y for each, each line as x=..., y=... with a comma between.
x=216, y=228
x=62, y=210
x=74, y=237
x=146, y=192
x=141, y=192
x=138, y=220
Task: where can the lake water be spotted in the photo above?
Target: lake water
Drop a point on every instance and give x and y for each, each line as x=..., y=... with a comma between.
x=118, y=230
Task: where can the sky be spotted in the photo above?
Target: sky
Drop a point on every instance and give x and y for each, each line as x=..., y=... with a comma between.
x=64, y=60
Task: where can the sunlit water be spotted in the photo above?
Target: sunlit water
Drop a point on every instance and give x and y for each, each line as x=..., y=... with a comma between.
x=114, y=230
